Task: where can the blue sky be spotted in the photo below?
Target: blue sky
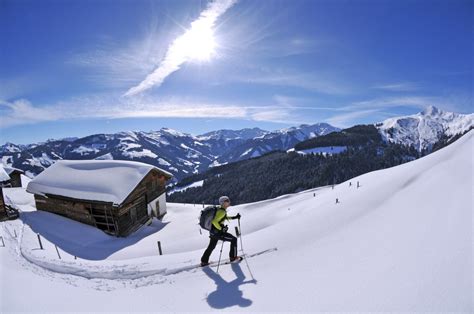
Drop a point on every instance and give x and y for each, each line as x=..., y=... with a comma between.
x=74, y=68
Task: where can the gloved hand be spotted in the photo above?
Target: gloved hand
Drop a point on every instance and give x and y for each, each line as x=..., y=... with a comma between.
x=224, y=229
x=237, y=216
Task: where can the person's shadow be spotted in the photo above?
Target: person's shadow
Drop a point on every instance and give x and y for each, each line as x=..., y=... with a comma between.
x=227, y=294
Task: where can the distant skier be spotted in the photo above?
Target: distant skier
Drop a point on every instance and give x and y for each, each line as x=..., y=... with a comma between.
x=219, y=232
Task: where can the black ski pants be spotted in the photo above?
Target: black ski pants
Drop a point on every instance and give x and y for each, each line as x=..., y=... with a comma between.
x=213, y=242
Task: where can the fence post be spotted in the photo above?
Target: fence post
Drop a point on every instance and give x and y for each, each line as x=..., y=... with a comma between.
x=39, y=240
x=3, y=243
x=14, y=231
x=57, y=251
x=159, y=248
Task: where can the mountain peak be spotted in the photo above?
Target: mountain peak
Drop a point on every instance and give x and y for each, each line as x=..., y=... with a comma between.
x=431, y=111
x=424, y=129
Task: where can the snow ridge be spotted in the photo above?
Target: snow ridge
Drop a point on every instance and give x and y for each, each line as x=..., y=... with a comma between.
x=424, y=129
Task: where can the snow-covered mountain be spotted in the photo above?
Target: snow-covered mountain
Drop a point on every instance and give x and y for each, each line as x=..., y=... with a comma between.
x=184, y=154
x=245, y=134
x=11, y=148
x=179, y=153
x=424, y=129
x=397, y=240
x=271, y=141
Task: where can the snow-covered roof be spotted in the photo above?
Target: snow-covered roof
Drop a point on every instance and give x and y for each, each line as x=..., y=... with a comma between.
x=3, y=174
x=97, y=180
x=9, y=170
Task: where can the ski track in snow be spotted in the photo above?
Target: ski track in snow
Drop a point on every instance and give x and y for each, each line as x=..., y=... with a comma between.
x=98, y=278
x=102, y=278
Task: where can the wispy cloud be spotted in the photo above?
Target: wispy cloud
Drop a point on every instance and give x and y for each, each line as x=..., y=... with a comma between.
x=382, y=108
x=113, y=64
x=21, y=112
x=347, y=119
x=179, y=51
x=398, y=87
x=384, y=103
x=307, y=81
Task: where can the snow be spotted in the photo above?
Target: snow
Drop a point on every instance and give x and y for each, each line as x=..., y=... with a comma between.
x=140, y=154
x=85, y=150
x=184, y=188
x=163, y=162
x=246, y=152
x=3, y=174
x=424, y=129
x=327, y=150
x=42, y=162
x=100, y=180
x=173, y=132
x=255, y=152
x=24, y=180
x=7, y=160
x=216, y=163
x=107, y=156
x=402, y=242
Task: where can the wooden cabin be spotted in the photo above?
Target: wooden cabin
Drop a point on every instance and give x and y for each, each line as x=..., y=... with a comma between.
x=15, y=176
x=117, y=197
x=4, y=178
x=3, y=210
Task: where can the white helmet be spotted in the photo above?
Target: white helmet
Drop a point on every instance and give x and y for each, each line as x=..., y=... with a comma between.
x=223, y=199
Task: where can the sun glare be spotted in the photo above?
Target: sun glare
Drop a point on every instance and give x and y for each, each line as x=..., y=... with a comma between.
x=198, y=43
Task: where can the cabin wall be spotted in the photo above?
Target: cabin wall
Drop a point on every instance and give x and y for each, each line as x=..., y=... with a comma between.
x=15, y=179
x=94, y=214
x=157, y=207
x=152, y=185
x=3, y=211
x=135, y=210
x=132, y=216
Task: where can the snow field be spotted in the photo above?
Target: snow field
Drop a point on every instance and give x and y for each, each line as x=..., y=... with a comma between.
x=400, y=242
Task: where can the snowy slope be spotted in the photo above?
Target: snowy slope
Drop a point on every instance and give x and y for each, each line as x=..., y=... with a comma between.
x=400, y=242
x=424, y=129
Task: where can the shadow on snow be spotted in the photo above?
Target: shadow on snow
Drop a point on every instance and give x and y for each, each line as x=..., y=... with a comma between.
x=81, y=240
x=227, y=293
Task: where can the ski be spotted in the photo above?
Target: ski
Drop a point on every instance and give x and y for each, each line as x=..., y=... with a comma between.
x=244, y=256
x=214, y=264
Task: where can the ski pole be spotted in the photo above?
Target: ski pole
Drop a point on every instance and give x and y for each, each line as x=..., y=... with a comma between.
x=218, y=263
x=240, y=231
x=242, y=249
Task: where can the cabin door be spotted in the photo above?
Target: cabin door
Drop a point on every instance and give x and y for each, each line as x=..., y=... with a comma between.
x=138, y=211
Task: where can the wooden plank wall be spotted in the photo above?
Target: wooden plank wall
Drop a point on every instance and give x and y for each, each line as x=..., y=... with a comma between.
x=3, y=212
x=15, y=179
x=72, y=209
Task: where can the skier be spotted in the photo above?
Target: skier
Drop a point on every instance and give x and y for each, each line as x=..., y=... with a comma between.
x=219, y=232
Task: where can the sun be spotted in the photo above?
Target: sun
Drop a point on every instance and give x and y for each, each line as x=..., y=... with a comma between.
x=198, y=43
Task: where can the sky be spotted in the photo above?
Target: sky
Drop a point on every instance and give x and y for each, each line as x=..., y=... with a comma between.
x=74, y=68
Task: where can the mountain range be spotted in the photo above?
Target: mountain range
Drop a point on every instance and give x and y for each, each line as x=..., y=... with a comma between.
x=179, y=153
x=184, y=154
